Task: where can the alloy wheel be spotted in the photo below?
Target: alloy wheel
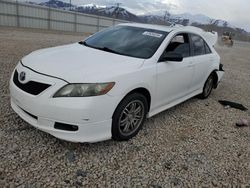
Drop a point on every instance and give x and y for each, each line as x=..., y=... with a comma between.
x=131, y=117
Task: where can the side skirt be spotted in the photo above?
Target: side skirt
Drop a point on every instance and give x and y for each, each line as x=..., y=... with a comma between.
x=172, y=104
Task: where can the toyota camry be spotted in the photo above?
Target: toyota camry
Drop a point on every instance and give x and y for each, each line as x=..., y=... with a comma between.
x=107, y=85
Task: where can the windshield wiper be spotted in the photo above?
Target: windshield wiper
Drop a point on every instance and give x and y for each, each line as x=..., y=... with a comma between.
x=83, y=43
x=106, y=49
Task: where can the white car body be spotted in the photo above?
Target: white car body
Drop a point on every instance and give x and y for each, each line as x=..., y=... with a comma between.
x=169, y=83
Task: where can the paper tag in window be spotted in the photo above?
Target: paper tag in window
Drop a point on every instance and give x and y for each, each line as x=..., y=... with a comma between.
x=151, y=34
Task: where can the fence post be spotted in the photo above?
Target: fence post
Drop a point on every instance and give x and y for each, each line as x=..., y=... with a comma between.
x=17, y=14
x=75, y=26
x=113, y=21
x=49, y=16
x=98, y=23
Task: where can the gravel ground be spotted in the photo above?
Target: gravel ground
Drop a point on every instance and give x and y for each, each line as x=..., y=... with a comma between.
x=191, y=145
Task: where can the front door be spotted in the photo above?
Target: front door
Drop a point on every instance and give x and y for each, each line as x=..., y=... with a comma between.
x=174, y=78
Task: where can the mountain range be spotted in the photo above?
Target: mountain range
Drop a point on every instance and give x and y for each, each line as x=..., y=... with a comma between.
x=122, y=13
x=164, y=18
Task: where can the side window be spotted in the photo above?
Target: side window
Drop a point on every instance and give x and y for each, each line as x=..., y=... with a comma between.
x=208, y=50
x=179, y=44
x=198, y=45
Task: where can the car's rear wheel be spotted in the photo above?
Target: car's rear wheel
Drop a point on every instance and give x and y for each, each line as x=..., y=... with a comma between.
x=129, y=117
x=208, y=87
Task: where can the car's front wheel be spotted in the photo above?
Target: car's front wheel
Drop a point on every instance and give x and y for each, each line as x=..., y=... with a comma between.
x=129, y=117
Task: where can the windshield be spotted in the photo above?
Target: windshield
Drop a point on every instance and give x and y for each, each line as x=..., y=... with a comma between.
x=127, y=40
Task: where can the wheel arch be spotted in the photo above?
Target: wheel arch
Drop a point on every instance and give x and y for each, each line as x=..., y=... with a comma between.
x=215, y=78
x=144, y=92
x=141, y=90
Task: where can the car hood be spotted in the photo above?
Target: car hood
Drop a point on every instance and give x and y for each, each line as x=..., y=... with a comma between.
x=77, y=63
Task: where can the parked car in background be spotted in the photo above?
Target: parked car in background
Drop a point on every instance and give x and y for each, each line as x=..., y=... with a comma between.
x=105, y=86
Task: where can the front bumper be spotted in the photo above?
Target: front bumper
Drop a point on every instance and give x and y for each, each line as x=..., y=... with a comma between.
x=92, y=115
x=220, y=74
x=92, y=132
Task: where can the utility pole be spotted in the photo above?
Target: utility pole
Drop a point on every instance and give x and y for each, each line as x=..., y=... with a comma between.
x=118, y=5
x=117, y=9
x=70, y=5
x=165, y=16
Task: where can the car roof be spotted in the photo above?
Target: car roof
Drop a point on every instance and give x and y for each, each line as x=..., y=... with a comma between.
x=175, y=27
x=210, y=37
x=149, y=26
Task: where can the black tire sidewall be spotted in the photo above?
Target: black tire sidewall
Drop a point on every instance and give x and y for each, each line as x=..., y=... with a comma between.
x=203, y=96
x=116, y=135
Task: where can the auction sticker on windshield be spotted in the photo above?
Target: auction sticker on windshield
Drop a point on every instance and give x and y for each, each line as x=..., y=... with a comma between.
x=152, y=34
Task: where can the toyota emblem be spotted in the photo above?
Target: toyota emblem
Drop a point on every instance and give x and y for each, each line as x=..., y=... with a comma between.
x=22, y=76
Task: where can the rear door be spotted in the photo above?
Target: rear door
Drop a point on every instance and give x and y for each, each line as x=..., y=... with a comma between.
x=202, y=59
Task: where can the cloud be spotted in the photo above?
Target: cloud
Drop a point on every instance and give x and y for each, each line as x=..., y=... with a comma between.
x=236, y=12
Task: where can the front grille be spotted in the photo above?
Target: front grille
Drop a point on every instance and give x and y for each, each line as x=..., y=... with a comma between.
x=31, y=87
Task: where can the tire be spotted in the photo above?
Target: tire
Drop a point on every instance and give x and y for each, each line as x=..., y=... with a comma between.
x=129, y=117
x=208, y=87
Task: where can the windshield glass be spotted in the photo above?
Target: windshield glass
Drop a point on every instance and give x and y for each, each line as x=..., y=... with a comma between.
x=127, y=40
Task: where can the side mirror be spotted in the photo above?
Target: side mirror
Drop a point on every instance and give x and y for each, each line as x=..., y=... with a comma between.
x=171, y=56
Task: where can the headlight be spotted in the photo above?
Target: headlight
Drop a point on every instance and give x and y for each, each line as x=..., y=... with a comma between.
x=84, y=90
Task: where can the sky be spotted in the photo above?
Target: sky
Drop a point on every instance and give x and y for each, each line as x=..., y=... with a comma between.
x=237, y=12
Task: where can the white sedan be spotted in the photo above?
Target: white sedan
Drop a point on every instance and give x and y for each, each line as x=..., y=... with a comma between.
x=105, y=86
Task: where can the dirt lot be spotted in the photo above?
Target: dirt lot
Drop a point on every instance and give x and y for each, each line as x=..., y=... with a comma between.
x=191, y=145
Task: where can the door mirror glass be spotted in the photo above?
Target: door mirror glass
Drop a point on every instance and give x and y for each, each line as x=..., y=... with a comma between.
x=171, y=56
